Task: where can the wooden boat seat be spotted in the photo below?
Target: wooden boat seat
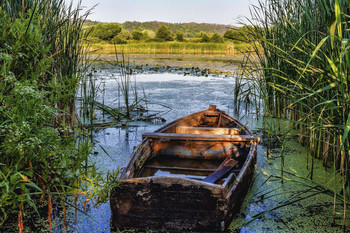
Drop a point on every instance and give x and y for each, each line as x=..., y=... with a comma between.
x=201, y=137
x=222, y=170
x=180, y=168
x=206, y=130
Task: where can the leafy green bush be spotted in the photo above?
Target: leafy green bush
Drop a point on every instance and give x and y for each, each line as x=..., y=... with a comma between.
x=125, y=35
x=180, y=36
x=233, y=35
x=137, y=35
x=106, y=31
x=118, y=40
x=145, y=35
x=205, y=38
x=243, y=34
x=217, y=38
x=164, y=33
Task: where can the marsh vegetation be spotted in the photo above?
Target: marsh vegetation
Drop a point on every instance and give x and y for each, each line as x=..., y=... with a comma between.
x=303, y=76
x=143, y=38
x=52, y=102
x=44, y=155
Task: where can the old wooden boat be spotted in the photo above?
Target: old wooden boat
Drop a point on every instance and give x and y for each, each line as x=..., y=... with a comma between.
x=190, y=175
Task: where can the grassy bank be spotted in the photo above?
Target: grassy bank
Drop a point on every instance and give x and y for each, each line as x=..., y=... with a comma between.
x=171, y=48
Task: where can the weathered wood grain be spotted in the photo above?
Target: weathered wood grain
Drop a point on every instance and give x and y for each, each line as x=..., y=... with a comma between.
x=224, y=168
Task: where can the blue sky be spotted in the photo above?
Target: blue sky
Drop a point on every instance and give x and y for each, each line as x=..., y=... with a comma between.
x=174, y=11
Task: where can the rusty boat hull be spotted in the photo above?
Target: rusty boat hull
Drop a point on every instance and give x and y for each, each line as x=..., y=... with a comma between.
x=190, y=175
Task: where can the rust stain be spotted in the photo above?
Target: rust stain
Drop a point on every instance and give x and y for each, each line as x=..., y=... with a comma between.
x=124, y=206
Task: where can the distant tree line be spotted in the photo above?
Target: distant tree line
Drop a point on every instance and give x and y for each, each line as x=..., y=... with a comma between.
x=189, y=29
x=115, y=33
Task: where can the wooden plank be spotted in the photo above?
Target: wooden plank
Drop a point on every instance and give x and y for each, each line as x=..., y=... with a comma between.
x=202, y=137
x=225, y=167
x=180, y=168
x=206, y=130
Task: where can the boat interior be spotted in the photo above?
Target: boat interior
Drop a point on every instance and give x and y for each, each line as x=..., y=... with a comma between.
x=208, y=146
x=209, y=154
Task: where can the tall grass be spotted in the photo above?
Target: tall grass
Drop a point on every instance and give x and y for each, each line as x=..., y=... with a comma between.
x=170, y=48
x=304, y=59
x=41, y=63
x=62, y=32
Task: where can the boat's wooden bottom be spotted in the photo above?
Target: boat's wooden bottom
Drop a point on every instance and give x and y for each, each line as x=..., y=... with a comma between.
x=175, y=206
x=172, y=204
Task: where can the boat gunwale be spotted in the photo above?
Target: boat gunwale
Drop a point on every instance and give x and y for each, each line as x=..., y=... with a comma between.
x=242, y=173
x=225, y=194
x=229, y=187
x=170, y=180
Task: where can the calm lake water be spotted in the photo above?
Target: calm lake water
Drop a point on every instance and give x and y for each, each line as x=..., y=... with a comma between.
x=187, y=94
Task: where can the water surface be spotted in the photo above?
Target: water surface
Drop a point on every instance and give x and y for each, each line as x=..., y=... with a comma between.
x=184, y=95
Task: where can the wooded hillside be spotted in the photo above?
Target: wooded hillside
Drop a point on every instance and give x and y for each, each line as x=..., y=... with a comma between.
x=189, y=29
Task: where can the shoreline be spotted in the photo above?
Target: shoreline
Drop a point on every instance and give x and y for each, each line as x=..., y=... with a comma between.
x=224, y=63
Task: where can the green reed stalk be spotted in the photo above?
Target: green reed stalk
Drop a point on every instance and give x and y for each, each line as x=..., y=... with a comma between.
x=305, y=59
x=41, y=64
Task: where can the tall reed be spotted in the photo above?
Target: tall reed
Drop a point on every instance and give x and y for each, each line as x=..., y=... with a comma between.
x=41, y=63
x=304, y=56
x=169, y=48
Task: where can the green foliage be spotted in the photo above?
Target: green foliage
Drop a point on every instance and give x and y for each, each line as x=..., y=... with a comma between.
x=125, y=35
x=137, y=35
x=305, y=61
x=189, y=29
x=204, y=37
x=145, y=35
x=180, y=36
x=155, y=40
x=24, y=61
x=164, y=33
x=118, y=40
x=200, y=34
x=172, y=47
x=40, y=62
x=233, y=34
x=216, y=38
x=243, y=34
x=106, y=31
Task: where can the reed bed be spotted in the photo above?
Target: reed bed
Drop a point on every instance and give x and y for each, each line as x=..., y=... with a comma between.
x=44, y=157
x=170, y=48
x=304, y=66
x=129, y=104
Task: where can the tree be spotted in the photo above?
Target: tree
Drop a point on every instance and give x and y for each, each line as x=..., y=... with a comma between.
x=145, y=35
x=125, y=35
x=217, y=38
x=106, y=31
x=232, y=34
x=137, y=35
x=164, y=33
x=179, y=36
x=248, y=33
x=118, y=40
x=243, y=34
x=205, y=38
